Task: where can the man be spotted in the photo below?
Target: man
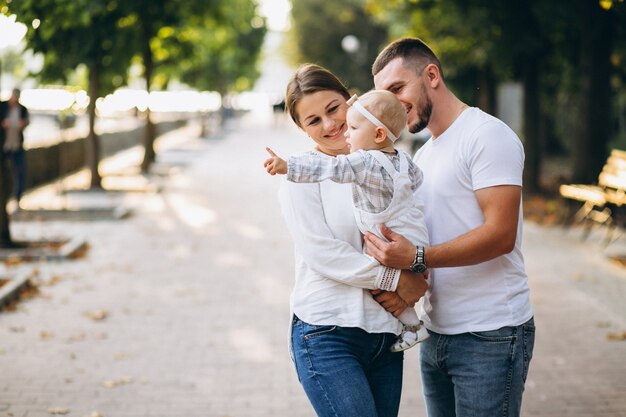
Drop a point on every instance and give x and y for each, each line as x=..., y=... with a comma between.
x=13, y=119
x=477, y=308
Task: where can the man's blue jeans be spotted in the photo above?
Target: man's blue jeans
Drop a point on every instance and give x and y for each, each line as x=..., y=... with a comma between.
x=347, y=372
x=479, y=374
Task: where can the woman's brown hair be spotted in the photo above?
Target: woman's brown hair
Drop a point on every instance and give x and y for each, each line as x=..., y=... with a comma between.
x=309, y=79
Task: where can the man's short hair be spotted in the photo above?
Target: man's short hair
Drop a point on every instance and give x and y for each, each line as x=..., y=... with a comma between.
x=413, y=51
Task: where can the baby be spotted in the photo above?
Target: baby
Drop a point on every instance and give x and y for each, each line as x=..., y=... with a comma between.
x=383, y=179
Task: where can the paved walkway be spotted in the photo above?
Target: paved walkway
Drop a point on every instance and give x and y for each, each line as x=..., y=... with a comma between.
x=181, y=310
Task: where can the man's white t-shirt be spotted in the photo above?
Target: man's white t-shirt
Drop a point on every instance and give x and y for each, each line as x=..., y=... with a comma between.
x=476, y=151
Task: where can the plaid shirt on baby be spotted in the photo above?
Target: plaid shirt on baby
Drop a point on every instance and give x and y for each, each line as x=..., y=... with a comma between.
x=372, y=186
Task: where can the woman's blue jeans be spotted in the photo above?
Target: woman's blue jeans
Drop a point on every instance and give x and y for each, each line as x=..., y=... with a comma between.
x=347, y=372
x=479, y=374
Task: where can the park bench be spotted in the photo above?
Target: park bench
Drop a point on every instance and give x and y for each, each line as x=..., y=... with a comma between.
x=604, y=203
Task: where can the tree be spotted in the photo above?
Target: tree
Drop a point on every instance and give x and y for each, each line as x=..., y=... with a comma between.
x=530, y=41
x=480, y=44
x=595, y=49
x=79, y=33
x=157, y=27
x=463, y=37
x=226, y=49
x=340, y=36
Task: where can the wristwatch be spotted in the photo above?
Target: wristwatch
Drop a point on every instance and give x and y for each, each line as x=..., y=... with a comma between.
x=419, y=264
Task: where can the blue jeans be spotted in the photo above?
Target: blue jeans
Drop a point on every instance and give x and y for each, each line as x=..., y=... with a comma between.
x=17, y=162
x=478, y=374
x=346, y=371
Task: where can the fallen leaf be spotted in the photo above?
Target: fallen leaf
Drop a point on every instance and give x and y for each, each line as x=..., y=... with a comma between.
x=184, y=292
x=29, y=291
x=578, y=277
x=55, y=279
x=17, y=329
x=112, y=383
x=45, y=335
x=81, y=252
x=100, y=336
x=59, y=410
x=559, y=361
x=616, y=335
x=76, y=338
x=97, y=315
x=13, y=261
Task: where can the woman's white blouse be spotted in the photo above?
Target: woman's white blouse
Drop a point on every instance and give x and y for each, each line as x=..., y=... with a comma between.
x=332, y=275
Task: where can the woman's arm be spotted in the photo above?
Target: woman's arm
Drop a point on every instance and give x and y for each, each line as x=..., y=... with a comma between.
x=328, y=256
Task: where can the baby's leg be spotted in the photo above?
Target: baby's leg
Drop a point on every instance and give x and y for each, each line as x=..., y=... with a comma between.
x=413, y=331
x=409, y=317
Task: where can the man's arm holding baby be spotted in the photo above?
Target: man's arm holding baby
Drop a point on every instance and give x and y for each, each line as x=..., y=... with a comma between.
x=495, y=237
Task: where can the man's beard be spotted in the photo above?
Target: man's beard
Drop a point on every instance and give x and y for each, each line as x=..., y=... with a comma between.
x=423, y=117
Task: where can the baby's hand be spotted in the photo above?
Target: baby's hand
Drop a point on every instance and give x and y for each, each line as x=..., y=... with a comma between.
x=275, y=164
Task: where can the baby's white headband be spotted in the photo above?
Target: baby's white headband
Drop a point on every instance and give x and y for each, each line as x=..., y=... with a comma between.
x=353, y=101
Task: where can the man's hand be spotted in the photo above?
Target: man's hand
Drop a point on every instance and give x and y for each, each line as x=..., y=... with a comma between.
x=398, y=252
x=275, y=164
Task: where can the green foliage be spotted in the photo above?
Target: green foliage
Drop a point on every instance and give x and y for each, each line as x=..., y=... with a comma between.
x=539, y=43
x=225, y=48
x=73, y=33
x=318, y=28
x=160, y=33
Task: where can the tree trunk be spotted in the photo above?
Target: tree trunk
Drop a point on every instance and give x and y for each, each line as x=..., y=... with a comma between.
x=593, y=133
x=487, y=90
x=226, y=105
x=93, y=141
x=149, y=132
x=531, y=128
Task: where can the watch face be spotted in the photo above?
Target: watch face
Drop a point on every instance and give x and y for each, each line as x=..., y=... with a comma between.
x=419, y=268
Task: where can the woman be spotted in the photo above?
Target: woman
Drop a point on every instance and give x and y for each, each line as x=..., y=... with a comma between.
x=340, y=336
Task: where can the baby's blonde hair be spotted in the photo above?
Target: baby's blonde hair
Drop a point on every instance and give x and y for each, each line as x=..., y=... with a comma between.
x=385, y=107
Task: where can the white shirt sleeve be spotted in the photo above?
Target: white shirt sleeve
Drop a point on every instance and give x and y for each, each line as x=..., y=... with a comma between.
x=495, y=156
x=326, y=255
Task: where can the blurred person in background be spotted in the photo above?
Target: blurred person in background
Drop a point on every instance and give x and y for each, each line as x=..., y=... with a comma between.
x=14, y=119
